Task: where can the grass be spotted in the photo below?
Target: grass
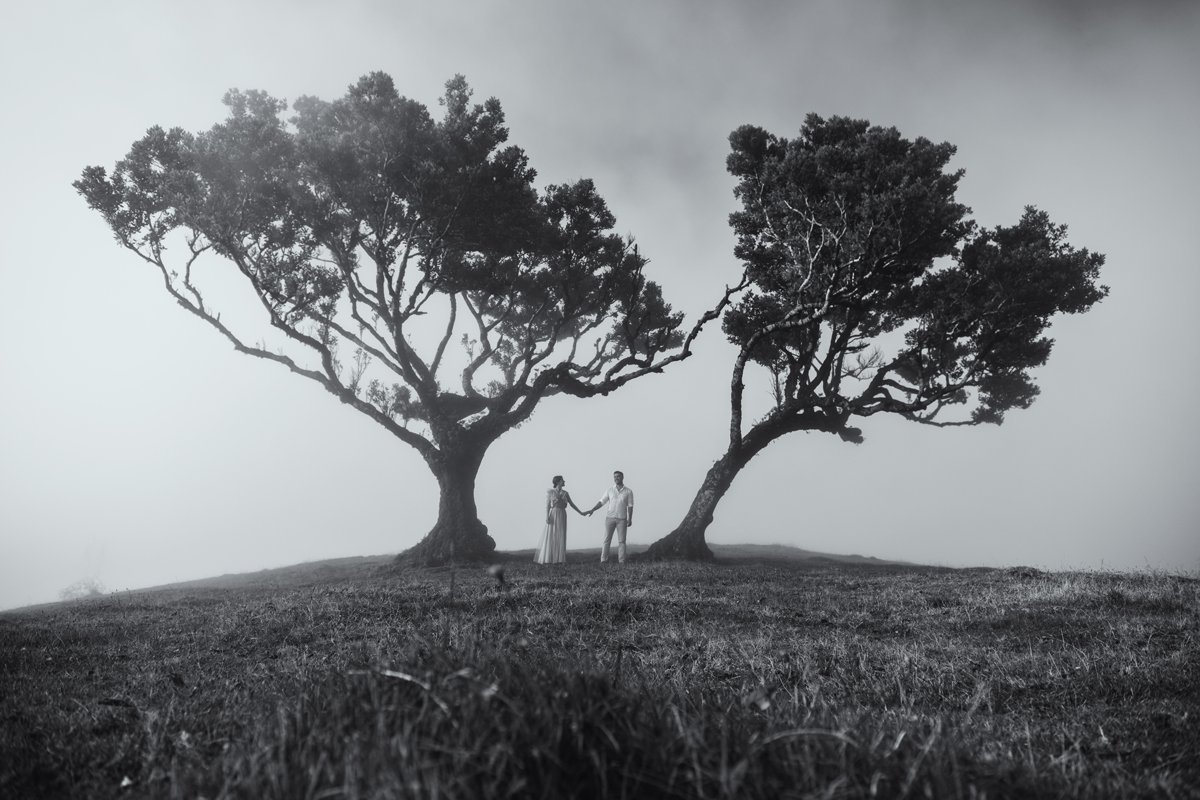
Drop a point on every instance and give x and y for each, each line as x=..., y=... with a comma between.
x=768, y=679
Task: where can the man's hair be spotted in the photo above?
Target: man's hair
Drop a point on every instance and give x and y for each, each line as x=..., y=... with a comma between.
x=618, y=472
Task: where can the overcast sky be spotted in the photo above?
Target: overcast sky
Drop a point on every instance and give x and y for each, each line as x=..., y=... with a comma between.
x=137, y=448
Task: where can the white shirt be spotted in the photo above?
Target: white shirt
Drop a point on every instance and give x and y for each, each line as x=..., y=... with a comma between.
x=619, y=501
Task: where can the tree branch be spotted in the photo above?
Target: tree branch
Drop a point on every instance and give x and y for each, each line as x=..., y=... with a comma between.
x=325, y=379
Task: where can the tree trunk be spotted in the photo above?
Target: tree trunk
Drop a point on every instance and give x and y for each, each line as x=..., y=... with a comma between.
x=687, y=540
x=458, y=535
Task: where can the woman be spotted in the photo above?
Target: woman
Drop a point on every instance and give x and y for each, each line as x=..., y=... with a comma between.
x=553, y=547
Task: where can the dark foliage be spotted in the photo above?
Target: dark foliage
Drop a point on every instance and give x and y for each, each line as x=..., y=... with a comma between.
x=872, y=291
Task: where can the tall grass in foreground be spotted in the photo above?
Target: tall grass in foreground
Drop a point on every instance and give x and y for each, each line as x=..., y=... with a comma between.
x=673, y=680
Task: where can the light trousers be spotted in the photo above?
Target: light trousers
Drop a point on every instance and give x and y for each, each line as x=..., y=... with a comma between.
x=618, y=525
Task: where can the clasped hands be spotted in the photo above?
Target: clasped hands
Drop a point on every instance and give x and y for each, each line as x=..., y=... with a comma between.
x=591, y=511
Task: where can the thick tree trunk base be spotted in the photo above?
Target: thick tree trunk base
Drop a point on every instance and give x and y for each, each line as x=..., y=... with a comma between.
x=465, y=543
x=687, y=541
x=680, y=544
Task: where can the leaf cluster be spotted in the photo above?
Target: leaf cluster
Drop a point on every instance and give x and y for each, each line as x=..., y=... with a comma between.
x=361, y=219
x=982, y=323
x=872, y=288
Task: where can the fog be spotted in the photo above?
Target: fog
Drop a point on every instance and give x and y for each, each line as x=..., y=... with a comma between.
x=137, y=448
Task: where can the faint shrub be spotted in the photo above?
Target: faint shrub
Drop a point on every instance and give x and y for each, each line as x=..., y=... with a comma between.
x=942, y=600
x=1163, y=599
x=88, y=587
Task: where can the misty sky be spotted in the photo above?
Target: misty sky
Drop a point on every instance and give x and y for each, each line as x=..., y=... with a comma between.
x=137, y=448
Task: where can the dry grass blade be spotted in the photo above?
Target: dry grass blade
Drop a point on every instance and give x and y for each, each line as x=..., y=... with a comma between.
x=404, y=676
x=799, y=732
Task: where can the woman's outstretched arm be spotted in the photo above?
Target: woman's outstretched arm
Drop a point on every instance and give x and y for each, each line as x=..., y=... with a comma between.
x=572, y=502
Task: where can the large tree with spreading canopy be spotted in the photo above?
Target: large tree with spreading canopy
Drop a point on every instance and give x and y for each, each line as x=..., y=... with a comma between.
x=405, y=263
x=872, y=292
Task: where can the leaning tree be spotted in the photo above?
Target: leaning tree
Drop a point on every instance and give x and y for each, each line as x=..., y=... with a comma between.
x=407, y=264
x=873, y=292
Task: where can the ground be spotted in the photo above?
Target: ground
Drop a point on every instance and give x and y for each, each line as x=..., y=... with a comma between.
x=757, y=676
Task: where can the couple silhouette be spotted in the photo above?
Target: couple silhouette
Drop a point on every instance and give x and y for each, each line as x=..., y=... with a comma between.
x=618, y=516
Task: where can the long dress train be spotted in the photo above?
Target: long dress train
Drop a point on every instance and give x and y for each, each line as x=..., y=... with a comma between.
x=552, y=549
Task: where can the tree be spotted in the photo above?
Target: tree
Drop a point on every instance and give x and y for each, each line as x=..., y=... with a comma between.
x=373, y=238
x=85, y=587
x=872, y=292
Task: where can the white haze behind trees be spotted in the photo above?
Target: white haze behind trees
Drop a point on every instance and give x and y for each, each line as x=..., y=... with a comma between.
x=137, y=448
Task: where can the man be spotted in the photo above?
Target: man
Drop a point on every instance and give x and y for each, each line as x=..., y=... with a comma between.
x=618, y=515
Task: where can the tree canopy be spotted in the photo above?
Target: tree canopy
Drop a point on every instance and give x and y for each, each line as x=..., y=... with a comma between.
x=872, y=291
x=409, y=262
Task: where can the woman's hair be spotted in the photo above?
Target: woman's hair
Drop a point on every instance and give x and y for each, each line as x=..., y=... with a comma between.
x=556, y=480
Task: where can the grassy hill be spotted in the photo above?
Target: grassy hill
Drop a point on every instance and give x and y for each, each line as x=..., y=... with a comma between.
x=771, y=673
x=366, y=566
